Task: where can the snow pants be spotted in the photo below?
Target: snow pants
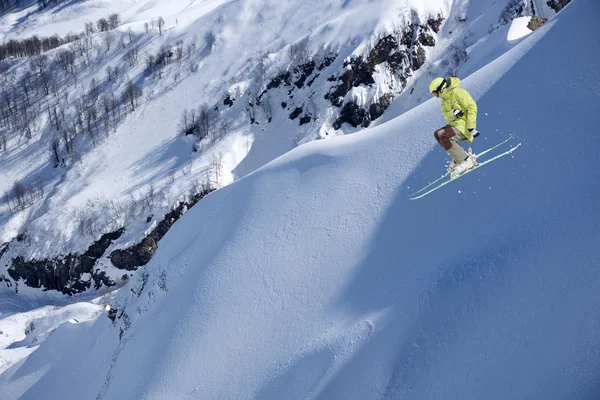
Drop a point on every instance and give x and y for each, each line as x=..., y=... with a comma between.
x=448, y=137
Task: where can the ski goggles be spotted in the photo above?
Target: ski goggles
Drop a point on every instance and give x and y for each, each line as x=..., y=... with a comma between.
x=437, y=91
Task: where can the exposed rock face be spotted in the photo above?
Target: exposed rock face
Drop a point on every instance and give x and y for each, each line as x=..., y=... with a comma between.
x=140, y=254
x=228, y=100
x=435, y=23
x=296, y=113
x=65, y=274
x=403, y=53
x=536, y=22
x=557, y=5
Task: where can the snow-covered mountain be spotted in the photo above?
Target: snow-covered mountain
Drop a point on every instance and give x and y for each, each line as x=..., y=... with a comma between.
x=96, y=163
x=315, y=277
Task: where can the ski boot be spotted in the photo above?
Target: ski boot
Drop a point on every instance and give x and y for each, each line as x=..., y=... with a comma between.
x=467, y=164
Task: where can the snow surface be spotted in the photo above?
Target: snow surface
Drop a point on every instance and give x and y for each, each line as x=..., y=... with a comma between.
x=315, y=277
x=147, y=149
x=22, y=333
x=518, y=29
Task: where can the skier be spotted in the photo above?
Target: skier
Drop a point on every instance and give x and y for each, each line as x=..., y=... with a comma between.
x=460, y=111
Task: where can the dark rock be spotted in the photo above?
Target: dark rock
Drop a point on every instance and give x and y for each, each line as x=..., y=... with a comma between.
x=279, y=79
x=398, y=60
x=557, y=5
x=63, y=274
x=283, y=104
x=351, y=113
x=296, y=113
x=327, y=61
x=361, y=73
x=536, y=22
x=377, y=109
x=435, y=23
x=140, y=254
x=3, y=249
x=382, y=50
x=304, y=70
x=418, y=58
x=228, y=100
x=426, y=39
x=112, y=314
x=305, y=120
x=309, y=84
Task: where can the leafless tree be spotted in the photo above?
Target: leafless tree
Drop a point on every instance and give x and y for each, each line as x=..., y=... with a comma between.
x=132, y=94
x=109, y=39
x=89, y=28
x=103, y=25
x=39, y=63
x=19, y=192
x=161, y=24
x=131, y=55
x=109, y=71
x=179, y=46
x=94, y=90
x=114, y=20
x=55, y=148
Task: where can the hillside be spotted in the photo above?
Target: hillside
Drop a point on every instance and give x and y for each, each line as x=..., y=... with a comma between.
x=315, y=277
x=93, y=147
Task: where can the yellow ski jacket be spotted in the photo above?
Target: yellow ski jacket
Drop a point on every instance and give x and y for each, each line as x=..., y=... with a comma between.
x=458, y=98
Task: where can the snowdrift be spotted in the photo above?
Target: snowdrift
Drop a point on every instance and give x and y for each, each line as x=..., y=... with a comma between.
x=315, y=277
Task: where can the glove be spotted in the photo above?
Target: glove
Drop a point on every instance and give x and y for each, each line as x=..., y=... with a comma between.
x=457, y=113
x=474, y=132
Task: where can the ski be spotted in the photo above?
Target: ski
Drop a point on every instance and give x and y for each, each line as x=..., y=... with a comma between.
x=448, y=173
x=466, y=172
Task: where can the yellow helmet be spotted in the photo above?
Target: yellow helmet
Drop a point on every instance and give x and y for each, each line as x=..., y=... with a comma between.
x=437, y=85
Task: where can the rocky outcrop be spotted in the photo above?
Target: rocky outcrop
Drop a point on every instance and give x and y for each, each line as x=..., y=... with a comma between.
x=140, y=254
x=403, y=53
x=65, y=274
x=557, y=5
x=435, y=23
x=536, y=22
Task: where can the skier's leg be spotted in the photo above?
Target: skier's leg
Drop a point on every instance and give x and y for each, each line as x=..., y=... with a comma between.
x=448, y=138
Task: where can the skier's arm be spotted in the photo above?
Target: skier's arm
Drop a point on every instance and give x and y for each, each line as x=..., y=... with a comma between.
x=468, y=104
x=447, y=113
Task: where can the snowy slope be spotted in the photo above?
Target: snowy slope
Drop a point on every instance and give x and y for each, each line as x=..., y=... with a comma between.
x=315, y=277
x=147, y=150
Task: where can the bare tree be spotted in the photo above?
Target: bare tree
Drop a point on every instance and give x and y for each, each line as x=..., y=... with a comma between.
x=179, y=46
x=109, y=39
x=161, y=24
x=103, y=25
x=47, y=80
x=132, y=94
x=94, y=90
x=3, y=68
x=150, y=63
x=109, y=71
x=216, y=167
x=114, y=20
x=19, y=192
x=89, y=28
x=39, y=63
x=40, y=186
x=131, y=56
x=146, y=26
x=55, y=148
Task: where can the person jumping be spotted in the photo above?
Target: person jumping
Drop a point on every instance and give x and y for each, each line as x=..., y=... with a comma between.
x=460, y=111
